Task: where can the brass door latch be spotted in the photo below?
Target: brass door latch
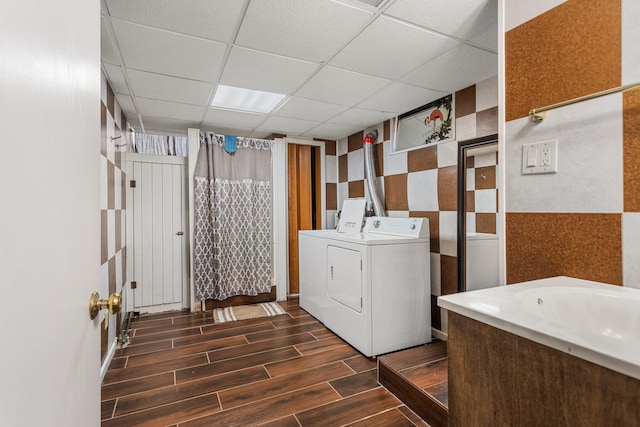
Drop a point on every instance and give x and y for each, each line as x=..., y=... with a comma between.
x=113, y=304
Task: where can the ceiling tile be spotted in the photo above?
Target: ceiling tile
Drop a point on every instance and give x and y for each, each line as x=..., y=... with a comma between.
x=390, y=49
x=285, y=125
x=342, y=87
x=306, y=29
x=400, y=98
x=211, y=19
x=359, y=117
x=308, y=109
x=126, y=105
x=226, y=130
x=241, y=71
x=160, y=125
x=450, y=72
x=116, y=78
x=166, y=88
x=170, y=110
x=331, y=131
x=461, y=18
x=487, y=39
x=108, y=52
x=220, y=117
x=164, y=52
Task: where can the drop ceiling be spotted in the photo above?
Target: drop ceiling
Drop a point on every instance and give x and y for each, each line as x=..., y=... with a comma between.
x=343, y=65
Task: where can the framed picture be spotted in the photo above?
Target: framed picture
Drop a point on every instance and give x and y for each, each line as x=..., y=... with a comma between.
x=429, y=124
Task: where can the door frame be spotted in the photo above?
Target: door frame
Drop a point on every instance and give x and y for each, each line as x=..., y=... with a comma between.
x=130, y=158
x=281, y=204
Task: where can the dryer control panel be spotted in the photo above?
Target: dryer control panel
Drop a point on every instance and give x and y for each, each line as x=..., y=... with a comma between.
x=407, y=227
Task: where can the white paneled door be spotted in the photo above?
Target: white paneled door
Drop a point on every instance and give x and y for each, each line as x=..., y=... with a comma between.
x=157, y=233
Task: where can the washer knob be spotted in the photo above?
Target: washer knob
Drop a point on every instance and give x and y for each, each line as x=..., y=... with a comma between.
x=376, y=223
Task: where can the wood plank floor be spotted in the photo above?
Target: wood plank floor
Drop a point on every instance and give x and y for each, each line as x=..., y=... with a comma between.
x=180, y=369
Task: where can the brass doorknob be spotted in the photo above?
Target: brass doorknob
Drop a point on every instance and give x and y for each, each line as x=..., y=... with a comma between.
x=113, y=304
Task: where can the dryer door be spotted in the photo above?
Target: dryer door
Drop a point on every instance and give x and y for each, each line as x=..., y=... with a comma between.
x=345, y=276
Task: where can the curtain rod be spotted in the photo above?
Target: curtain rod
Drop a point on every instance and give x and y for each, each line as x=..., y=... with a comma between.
x=538, y=114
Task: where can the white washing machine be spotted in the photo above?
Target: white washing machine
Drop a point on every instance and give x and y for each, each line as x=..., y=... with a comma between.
x=370, y=288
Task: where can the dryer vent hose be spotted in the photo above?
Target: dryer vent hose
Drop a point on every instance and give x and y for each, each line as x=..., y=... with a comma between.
x=370, y=172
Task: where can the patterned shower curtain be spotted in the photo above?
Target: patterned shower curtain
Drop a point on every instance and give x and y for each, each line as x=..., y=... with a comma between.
x=232, y=230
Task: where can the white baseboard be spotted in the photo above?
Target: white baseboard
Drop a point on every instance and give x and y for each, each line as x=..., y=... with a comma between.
x=107, y=359
x=438, y=334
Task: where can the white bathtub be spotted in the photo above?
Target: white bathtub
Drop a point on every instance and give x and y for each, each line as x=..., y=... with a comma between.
x=590, y=320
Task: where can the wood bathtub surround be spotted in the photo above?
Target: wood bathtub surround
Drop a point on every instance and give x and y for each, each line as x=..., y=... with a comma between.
x=585, y=246
x=571, y=50
x=500, y=379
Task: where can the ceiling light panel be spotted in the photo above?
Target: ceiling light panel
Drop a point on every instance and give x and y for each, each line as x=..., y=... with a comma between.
x=236, y=98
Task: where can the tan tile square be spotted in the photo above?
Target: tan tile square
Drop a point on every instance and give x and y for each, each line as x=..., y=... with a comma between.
x=356, y=188
x=111, y=186
x=387, y=130
x=355, y=141
x=449, y=274
x=378, y=159
x=422, y=159
x=118, y=230
x=104, y=237
x=486, y=223
x=469, y=164
x=448, y=188
x=395, y=192
x=103, y=129
x=434, y=228
x=470, y=201
x=631, y=149
x=330, y=148
x=485, y=178
x=343, y=168
x=332, y=196
x=465, y=101
x=112, y=275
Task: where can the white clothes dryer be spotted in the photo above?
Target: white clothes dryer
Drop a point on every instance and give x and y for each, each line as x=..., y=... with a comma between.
x=373, y=289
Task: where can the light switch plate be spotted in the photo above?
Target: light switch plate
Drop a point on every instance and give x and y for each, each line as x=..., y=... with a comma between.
x=540, y=157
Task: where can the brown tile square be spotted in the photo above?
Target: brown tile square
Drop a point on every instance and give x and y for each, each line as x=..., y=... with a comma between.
x=436, y=320
x=422, y=159
x=356, y=188
x=465, y=101
x=123, y=121
x=378, y=159
x=448, y=188
x=111, y=184
x=110, y=100
x=330, y=148
x=575, y=32
x=485, y=178
x=387, y=130
x=470, y=201
x=434, y=228
x=332, y=196
x=104, y=237
x=123, y=190
x=448, y=274
x=586, y=246
x=469, y=164
x=486, y=223
x=343, y=168
x=631, y=150
x=112, y=275
x=487, y=122
x=118, y=160
x=355, y=141
x=118, y=230
x=395, y=192
x=103, y=129
x=124, y=265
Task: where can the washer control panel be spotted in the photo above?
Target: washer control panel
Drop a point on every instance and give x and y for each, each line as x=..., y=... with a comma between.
x=408, y=227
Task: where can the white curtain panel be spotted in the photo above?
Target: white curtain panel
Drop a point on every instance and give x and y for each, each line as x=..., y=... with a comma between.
x=162, y=145
x=232, y=229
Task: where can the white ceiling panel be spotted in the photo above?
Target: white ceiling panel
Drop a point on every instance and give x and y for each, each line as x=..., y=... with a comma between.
x=108, y=52
x=450, y=72
x=306, y=29
x=116, y=78
x=169, y=110
x=463, y=19
x=401, y=47
x=166, y=88
x=233, y=119
x=156, y=125
x=332, y=131
x=296, y=127
x=337, y=86
x=399, y=98
x=361, y=118
x=126, y=104
x=308, y=109
x=268, y=76
x=211, y=19
x=164, y=52
x=222, y=130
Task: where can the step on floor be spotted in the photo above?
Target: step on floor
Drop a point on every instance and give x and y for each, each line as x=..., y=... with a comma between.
x=418, y=377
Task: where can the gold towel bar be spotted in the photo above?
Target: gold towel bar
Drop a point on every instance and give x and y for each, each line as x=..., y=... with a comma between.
x=537, y=114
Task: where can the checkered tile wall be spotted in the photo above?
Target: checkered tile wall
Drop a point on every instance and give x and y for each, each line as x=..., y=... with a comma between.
x=423, y=182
